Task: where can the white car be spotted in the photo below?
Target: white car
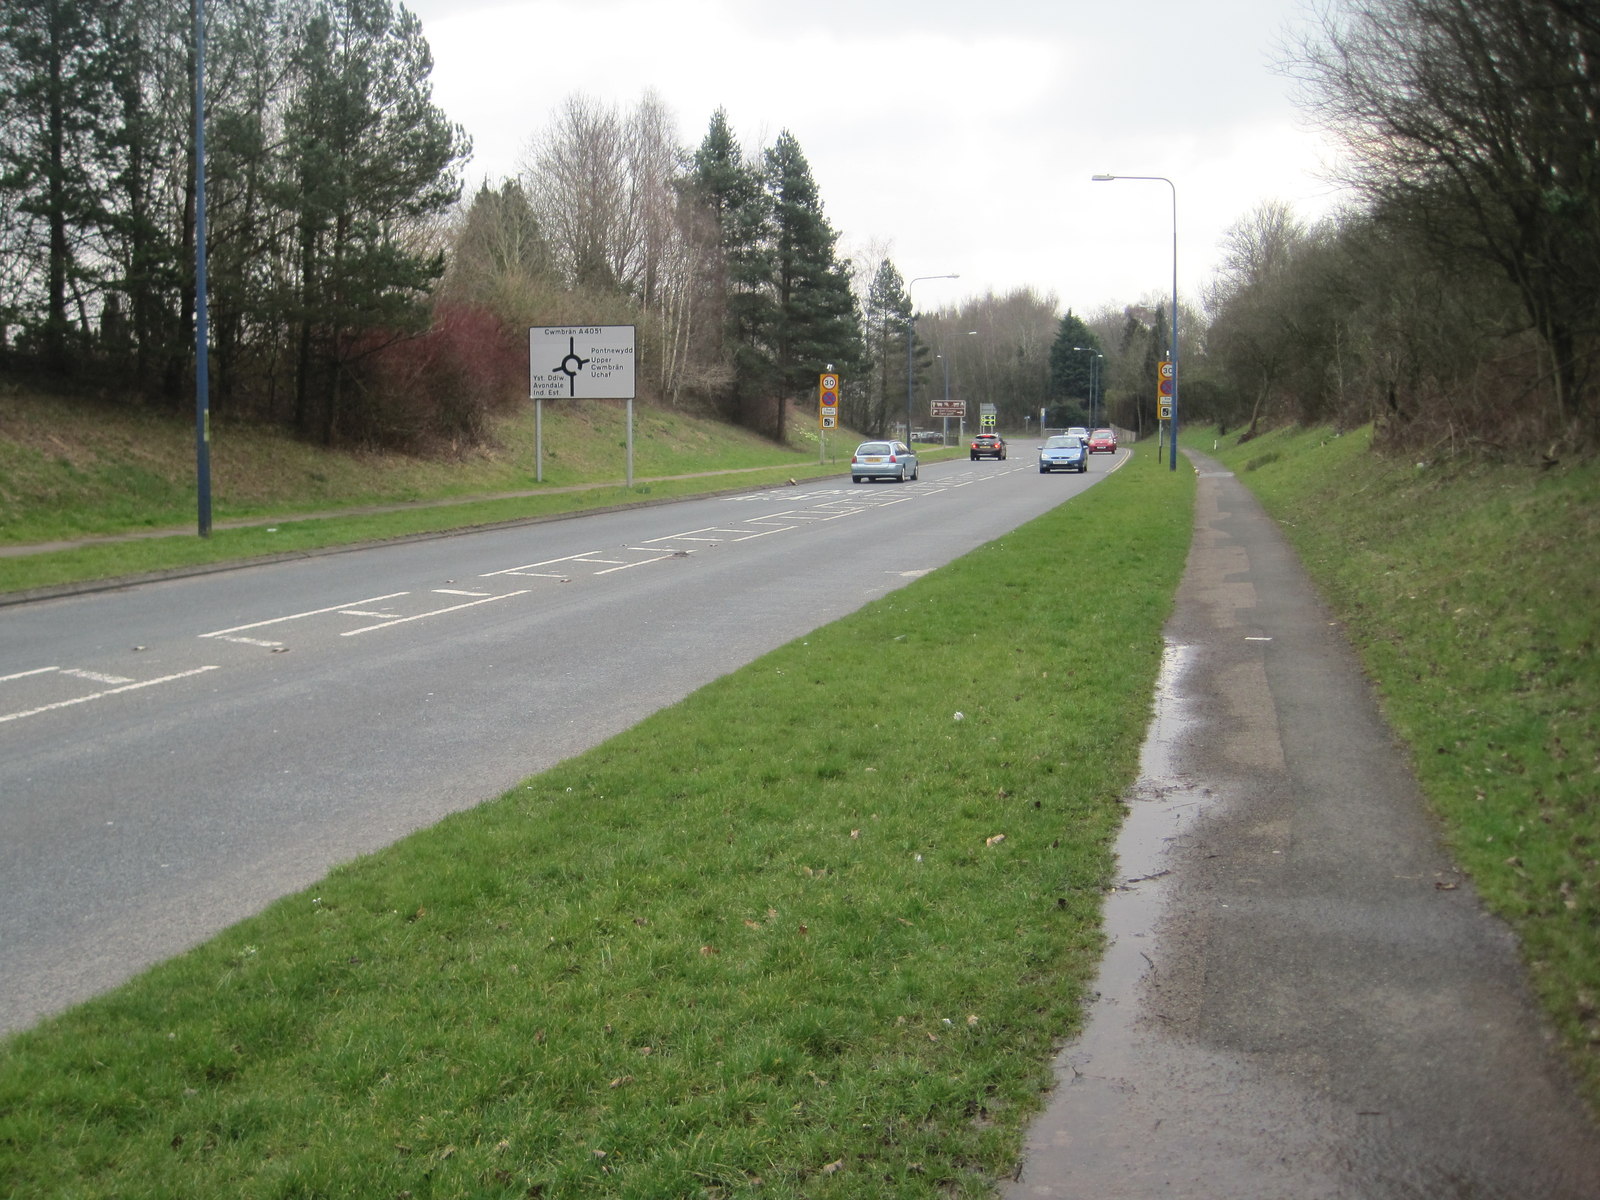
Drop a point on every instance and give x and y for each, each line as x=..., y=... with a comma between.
x=883, y=460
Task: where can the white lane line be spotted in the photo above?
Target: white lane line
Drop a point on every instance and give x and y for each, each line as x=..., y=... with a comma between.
x=435, y=613
x=528, y=568
x=457, y=592
x=367, y=612
x=131, y=687
x=315, y=612
x=95, y=676
x=624, y=566
x=25, y=674
x=250, y=641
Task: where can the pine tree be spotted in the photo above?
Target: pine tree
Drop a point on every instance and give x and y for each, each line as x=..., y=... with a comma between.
x=886, y=319
x=368, y=153
x=731, y=190
x=818, y=321
x=54, y=101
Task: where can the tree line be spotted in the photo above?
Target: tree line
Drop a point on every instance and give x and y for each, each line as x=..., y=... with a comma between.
x=1454, y=302
x=357, y=295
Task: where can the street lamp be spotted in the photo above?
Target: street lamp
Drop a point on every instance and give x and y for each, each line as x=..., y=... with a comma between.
x=911, y=345
x=1174, y=360
x=944, y=437
x=1094, y=364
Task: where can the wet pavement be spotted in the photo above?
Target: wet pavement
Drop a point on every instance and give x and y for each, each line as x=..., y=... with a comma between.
x=1301, y=997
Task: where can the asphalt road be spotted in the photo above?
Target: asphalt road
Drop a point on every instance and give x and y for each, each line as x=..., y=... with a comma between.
x=1302, y=996
x=174, y=756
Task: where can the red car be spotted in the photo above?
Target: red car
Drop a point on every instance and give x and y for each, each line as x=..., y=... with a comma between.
x=1103, y=439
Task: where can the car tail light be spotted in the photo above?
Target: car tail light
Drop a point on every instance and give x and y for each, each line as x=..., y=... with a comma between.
x=892, y=458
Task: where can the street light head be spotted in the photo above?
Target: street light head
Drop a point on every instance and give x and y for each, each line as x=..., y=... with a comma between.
x=1102, y=178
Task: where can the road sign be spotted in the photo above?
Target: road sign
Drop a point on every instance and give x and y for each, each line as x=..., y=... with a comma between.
x=1166, y=370
x=581, y=362
x=828, y=399
x=947, y=408
x=1166, y=387
x=1164, y=409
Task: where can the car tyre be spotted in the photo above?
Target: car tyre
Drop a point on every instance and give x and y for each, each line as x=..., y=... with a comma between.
x=855, y=479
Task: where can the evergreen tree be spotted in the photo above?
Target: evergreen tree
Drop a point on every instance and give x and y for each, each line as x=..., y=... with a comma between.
x=731, y=189
x=817, y=320
x=368, y=153
x=55, y=101
x=886, y=319
x=1070, y=370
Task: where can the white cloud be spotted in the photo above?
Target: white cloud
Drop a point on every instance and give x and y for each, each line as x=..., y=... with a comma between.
x=962, y=135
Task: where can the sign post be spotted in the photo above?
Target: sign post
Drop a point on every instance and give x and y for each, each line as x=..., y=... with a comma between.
x=579, y=362
x=827, y=410
x=1164, y=385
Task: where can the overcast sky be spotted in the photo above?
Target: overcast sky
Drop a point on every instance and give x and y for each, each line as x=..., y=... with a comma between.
x=960, y=138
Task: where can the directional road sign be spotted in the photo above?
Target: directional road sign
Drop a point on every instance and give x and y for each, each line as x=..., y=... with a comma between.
x=581, y=362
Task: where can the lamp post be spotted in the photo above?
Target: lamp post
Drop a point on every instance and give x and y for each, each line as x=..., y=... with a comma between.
x=1174, y=359
x=911, y=346
x=1094, y=364
x=944, y=436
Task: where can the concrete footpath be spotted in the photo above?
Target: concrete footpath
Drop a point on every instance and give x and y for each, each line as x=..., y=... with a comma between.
x=1302, y=997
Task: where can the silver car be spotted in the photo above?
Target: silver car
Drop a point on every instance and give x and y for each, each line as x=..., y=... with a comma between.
x=883, y=460
x=1063, y=452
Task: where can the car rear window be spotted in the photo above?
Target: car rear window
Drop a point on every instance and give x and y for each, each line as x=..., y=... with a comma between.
x=874, y=448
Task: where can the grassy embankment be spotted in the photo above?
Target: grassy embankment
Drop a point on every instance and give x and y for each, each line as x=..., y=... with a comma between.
x=736, y=950
x=71, y=471
x=1470, y=590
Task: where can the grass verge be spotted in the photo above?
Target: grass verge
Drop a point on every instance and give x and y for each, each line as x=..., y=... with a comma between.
x=813, y=931
x=1469, y=589
x=74, y=470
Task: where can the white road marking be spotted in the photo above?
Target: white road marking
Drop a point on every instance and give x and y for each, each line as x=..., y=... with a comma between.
x=130, y=687
x=528, y=568
x=95, y=676
x=315, y=612
x=435, y=613
x=249, y=641
x=457, y=592
x=25, y=674
x=624, y=566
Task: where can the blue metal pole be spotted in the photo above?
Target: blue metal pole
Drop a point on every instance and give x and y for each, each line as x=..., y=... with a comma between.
x=202, y=364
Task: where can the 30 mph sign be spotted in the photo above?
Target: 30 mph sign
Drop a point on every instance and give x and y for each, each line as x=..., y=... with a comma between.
x=827, y=400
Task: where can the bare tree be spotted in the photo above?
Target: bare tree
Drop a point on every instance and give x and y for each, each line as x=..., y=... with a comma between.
x=1477, y=122
x=579, y=183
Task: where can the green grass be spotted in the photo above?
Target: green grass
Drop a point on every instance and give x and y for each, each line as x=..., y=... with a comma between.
x=79, y=471
x=1470, y=590
x=770, y=941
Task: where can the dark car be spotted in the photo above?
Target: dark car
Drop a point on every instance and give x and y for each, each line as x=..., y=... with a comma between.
x=1063, y=453
x=988, y=445
x=1103, y=440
